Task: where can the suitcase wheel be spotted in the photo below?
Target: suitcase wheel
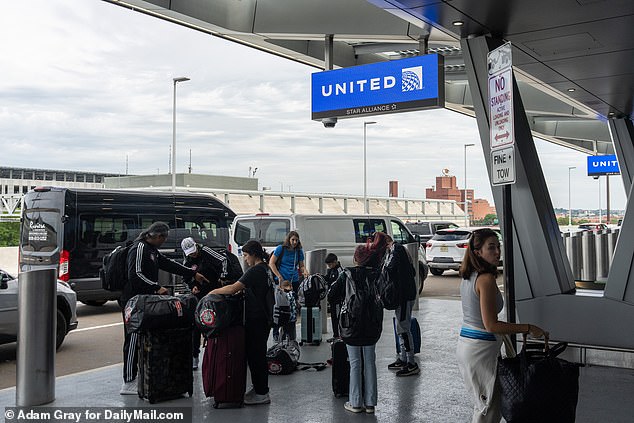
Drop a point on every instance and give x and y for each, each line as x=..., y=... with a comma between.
x=301, y=343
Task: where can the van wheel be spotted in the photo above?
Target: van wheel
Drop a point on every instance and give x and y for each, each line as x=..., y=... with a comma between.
x=436, y=272
x=61, y=330
x=96, y=303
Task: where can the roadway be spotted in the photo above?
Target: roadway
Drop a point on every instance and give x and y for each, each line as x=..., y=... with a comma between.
x=98, y=339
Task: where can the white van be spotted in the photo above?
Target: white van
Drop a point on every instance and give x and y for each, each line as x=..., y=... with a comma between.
x=338, y=234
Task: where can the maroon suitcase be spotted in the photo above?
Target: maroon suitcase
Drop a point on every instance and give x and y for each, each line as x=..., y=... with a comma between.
x=224, y=368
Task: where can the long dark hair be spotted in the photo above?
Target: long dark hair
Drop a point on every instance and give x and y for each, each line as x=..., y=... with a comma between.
x=155, y=229
x=377, y=245
x=473, y=263
x=287, y=240
x=254, y=248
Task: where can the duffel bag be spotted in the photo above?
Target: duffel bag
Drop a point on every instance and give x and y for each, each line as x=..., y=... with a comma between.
x=536, y=386
x=152, y=312
x=282, y=358
x=216, y=312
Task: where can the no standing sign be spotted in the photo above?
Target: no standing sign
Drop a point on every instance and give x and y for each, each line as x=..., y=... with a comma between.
x=501, y=132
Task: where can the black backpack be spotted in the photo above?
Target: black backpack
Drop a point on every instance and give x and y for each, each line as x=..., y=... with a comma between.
x=215, y=313
x=114, y=269
x=361, y=317
x=312, y=290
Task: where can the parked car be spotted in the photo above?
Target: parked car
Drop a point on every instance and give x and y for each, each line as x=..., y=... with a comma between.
x=66, y=309
x=426, y=230
x=447, y=248
x=595, y=227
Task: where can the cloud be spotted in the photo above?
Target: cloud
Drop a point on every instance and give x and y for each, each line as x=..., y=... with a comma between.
x=87, y=84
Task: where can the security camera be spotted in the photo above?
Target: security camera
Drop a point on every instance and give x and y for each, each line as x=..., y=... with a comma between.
x=329, y=122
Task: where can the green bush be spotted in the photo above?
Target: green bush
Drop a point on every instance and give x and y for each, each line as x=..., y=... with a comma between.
x=9, y=234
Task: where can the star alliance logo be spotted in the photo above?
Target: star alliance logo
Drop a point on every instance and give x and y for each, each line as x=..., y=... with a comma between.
x=412, y=79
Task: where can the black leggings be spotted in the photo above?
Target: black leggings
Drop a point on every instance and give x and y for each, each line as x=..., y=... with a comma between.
x=257, y=335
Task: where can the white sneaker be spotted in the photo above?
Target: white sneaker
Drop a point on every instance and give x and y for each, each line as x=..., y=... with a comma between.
x=129, y=388
x=195, y=363
x=252, y=398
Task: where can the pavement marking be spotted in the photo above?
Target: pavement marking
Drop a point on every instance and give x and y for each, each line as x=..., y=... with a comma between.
x=95, y=327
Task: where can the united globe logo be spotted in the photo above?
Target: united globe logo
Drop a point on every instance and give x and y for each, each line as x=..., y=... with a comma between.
x=412, y=79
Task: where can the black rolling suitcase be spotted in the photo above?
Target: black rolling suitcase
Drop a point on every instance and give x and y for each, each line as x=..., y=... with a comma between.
x=165, y=364
x=340, y=368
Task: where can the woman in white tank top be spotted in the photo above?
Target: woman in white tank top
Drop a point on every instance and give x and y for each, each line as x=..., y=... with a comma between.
x=479, y=342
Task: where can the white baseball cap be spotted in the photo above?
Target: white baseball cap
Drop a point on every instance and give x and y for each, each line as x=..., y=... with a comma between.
x=189, y=246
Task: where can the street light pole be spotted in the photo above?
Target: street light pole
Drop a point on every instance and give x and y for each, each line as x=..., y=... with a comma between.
x=179, y=79
x=365, y=175
x=466, y=202
x=569, y=206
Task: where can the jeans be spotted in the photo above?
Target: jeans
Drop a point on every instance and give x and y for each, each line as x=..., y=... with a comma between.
x=362, y=361
x=404, y=330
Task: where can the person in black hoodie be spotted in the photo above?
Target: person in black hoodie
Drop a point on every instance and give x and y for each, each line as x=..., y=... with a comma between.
x=333, y=272
x=401, y=270
x=360, y=326
x=144, y=262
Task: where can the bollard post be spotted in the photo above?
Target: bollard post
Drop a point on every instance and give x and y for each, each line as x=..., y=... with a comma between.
x=316, y=263
x=588, y=257
x=37, y=320
x=603, y=263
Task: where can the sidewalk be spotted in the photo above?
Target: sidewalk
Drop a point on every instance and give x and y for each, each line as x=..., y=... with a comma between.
x=436, y=395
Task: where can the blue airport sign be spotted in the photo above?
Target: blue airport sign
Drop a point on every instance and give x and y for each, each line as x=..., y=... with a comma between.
x=402, y=85
x=603, y=165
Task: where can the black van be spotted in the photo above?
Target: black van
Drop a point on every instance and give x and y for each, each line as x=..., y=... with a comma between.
x=72, y=229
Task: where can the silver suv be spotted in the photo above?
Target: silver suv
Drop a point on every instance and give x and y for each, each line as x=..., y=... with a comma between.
x=66, y=309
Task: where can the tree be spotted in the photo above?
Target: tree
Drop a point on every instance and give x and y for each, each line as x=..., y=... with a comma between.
x=9, y=234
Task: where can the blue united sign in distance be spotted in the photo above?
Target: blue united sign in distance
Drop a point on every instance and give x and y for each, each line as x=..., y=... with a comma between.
x=603, y=165
x=387, y=87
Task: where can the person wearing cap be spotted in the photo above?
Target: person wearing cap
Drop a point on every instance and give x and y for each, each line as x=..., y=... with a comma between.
x=144, y=261
x=210, y=264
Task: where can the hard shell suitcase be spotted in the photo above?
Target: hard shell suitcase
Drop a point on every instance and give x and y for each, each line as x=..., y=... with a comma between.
x=311, y=325
x=415, y=328
x=224, y=369
x=165, y=364
x=340, y=368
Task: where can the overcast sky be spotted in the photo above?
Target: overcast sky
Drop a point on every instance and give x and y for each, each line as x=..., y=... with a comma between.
x=86, y=83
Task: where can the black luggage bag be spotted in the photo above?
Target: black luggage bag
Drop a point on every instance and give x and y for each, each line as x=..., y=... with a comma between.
x=165, y=364
x=537, y=386
x=340, y=368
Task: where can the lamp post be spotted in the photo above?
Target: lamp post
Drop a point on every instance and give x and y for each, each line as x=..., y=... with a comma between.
x=466, y=202
x=179, y=79
x=365, y=176
x=569, y=207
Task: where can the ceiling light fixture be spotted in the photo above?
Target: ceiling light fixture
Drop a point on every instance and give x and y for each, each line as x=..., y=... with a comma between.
x=571, y=90
x=457, y=23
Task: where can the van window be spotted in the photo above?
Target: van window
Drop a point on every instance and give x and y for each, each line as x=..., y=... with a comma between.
x=363, y=228
x=206, y=230
x=106, y=231
x=270, y=232
x=39, y=230
x=400, y=234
